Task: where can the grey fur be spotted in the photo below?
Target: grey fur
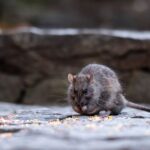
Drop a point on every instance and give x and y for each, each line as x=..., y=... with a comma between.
x=101, y=92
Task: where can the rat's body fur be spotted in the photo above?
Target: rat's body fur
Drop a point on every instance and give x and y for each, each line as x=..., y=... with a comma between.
x=96, y=88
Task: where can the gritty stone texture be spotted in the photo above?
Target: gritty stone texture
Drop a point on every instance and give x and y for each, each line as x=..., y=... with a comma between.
x=41, y=59
x=42, y=128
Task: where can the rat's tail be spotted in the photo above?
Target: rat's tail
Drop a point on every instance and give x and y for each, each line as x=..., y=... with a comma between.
x=134, y=105
x=137, y=106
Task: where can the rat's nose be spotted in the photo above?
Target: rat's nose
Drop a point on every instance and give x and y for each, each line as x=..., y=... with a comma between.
x=84, y=109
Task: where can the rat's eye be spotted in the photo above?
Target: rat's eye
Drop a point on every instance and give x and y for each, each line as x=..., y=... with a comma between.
x=75, y=91
x=84, y=91
x=73, y=97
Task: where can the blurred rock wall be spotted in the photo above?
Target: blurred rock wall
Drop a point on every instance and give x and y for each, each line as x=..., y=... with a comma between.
x=35, y=62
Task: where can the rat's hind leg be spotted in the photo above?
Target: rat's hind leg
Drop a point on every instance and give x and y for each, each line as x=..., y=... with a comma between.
x=116, y=110
x=119, y=104
x=115, y=104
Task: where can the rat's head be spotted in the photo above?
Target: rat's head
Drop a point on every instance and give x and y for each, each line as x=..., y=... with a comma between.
x=82, y=94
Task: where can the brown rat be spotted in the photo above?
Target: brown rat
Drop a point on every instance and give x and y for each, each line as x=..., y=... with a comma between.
x=95, y=89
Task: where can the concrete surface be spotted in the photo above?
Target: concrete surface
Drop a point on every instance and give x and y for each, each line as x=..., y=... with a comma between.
x=59, y=128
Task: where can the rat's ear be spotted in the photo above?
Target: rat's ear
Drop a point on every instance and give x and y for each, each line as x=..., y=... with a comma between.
x=71, y=78
x=89, y=77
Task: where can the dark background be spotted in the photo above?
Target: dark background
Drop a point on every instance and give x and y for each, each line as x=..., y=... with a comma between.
x=125, y=14
x=34, y=66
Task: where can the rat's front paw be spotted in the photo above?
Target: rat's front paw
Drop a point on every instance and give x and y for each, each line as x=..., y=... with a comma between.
x=104, y=113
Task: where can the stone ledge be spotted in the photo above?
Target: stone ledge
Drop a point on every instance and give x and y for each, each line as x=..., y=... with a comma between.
x=60, y=128
x=130, y=34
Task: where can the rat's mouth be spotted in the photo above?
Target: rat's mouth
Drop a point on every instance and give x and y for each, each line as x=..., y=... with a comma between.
x=87, y=110
x=93, y=112
x=90, y=111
